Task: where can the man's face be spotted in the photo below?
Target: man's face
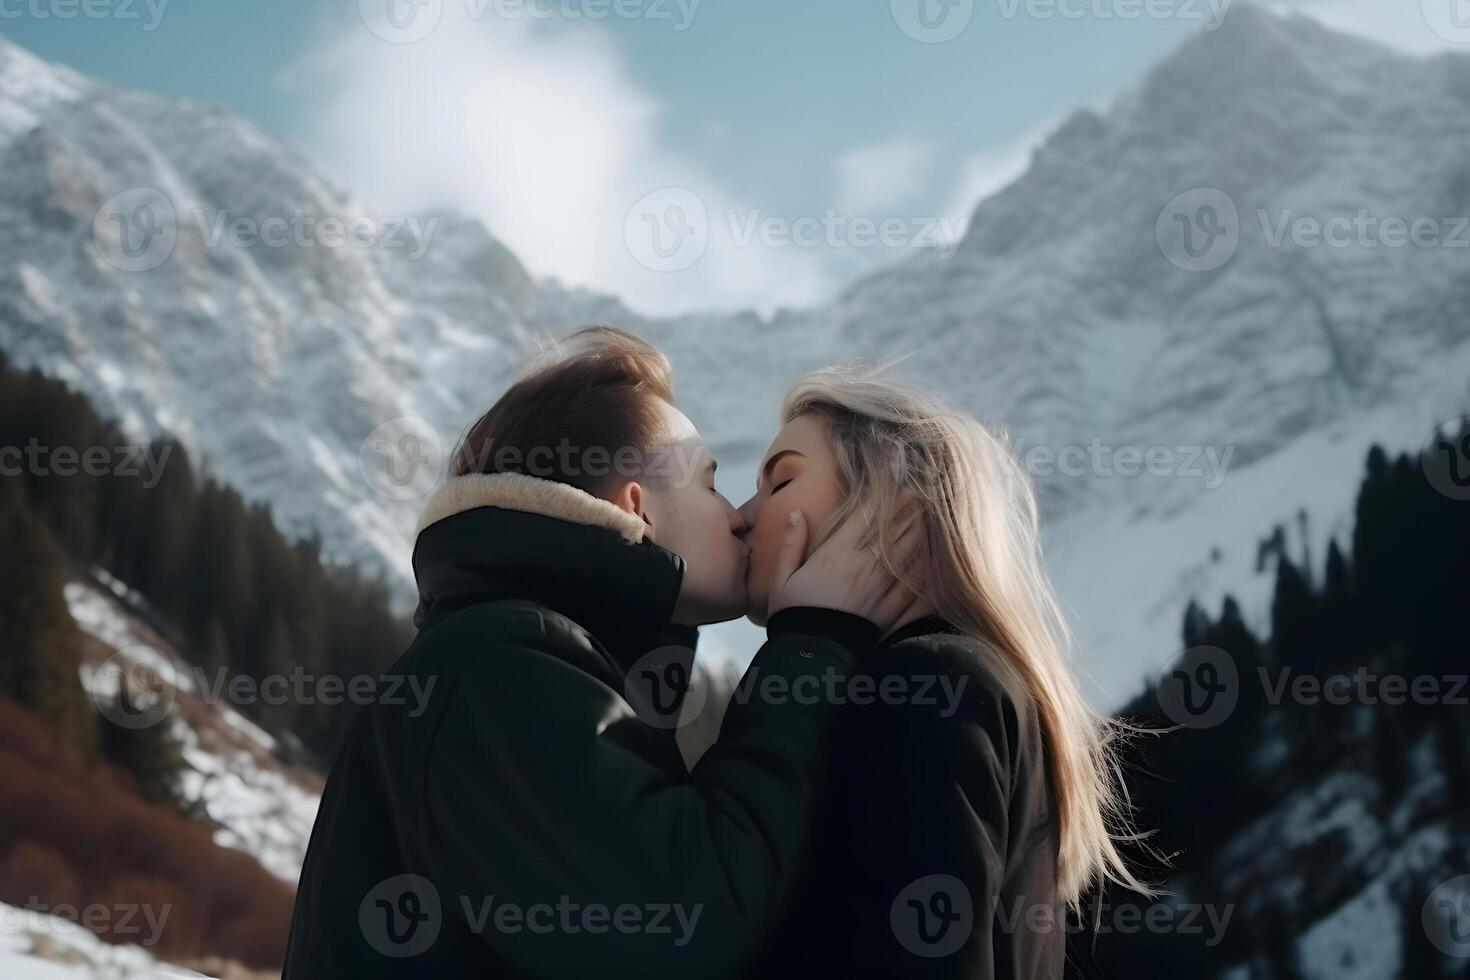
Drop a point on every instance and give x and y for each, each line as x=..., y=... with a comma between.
x=689, y=517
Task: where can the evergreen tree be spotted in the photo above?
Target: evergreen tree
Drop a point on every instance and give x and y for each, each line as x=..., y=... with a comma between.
x=217, y=576
x=166, y=525
x=1293, y=612
x=1421, y=959
x=40, y=668
x=1233, y=635
x=1196, y=625
x=276, y=662
x=151, y=755
x=216, y=650
x=1390, y=748
x=1452, y=739
x=1337, y=571
x=1373, y=545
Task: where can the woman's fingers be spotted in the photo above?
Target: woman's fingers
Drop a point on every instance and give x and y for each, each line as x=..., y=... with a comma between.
x=843, y=573
x=790, y=553
x=851, y=535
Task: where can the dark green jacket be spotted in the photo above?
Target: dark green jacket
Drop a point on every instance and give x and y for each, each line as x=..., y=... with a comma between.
x=522, y=820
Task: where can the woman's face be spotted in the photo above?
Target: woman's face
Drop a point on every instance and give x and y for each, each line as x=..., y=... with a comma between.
x=799, y=472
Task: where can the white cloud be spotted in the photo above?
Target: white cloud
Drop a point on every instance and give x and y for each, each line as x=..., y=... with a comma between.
x=882, y=178
x=546, y=137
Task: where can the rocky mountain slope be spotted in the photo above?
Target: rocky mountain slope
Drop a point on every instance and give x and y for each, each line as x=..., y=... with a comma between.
x=1091, y=311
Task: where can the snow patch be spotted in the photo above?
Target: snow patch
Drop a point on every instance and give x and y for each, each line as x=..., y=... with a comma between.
x=37, y=946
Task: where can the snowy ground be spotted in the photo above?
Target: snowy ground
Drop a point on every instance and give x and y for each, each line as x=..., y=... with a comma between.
x=1353, y=913
x=34, y=946
x=262, y=806
x=1127, y=574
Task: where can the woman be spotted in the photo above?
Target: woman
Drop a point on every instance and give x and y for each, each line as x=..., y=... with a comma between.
x=975, y=794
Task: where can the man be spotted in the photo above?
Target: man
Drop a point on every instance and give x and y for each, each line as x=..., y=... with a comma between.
x=535, y=817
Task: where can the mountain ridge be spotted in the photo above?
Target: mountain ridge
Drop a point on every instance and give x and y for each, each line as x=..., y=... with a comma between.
x=1061, y=318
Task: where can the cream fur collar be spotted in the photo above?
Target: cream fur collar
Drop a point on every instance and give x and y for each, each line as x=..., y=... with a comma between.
x=517, y=491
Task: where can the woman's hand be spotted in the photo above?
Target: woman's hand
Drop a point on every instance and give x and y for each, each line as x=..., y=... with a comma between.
x=841, y=574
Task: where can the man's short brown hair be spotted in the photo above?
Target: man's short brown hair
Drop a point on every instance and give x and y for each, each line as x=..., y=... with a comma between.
x=585, y=415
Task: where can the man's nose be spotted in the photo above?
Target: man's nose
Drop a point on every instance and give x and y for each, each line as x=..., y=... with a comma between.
x=747, y=513
x=738, y=524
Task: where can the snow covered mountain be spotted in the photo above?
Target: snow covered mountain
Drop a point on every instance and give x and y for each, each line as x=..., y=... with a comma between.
x=1148, y=285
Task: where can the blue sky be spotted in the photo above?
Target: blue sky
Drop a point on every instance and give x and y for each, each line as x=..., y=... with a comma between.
x=556, y=129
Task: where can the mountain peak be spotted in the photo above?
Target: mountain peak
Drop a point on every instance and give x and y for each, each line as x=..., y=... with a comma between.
x=16, y=59
x=1251, y=27
x=1222, y=78
x=28, y=85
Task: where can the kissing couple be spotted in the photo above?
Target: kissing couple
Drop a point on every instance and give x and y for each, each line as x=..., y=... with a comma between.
x=906, y=783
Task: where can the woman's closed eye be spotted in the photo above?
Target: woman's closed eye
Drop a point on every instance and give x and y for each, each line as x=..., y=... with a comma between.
x=777, y=488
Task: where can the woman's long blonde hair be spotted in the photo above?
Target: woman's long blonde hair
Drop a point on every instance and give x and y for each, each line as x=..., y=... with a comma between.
x=983, y=572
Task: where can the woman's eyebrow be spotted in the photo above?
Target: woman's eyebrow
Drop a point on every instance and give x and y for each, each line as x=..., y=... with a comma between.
x=765, y=473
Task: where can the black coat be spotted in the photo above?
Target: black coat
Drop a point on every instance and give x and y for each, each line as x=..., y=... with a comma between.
x=934, y=852
x=524, y=821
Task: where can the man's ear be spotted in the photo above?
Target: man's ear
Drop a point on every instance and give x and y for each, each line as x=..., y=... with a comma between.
x=631, y=499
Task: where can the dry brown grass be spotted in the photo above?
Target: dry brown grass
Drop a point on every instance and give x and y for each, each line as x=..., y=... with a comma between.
x=75, y=834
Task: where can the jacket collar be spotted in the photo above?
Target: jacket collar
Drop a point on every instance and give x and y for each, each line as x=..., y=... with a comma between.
x=484, y=537
x=531, y=495
x=923, y=626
